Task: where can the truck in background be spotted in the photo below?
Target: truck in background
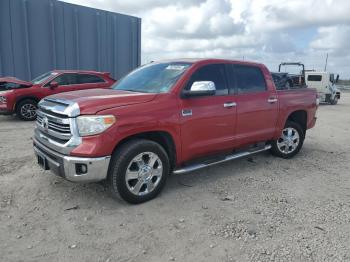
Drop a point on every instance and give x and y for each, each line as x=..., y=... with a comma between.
x=286, y=80
x=325, y=84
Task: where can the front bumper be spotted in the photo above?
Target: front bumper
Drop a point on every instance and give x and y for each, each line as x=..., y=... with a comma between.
x=4, y=110
x=72, y=168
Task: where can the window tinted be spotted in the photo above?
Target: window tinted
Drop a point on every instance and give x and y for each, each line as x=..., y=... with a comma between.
x=249, y=79
x=214, y=73
x=85, y=79
x=66, y=79
x=316, y=78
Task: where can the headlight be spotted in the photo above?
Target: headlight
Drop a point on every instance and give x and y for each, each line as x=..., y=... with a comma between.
x=93, y=125
x=3, y=99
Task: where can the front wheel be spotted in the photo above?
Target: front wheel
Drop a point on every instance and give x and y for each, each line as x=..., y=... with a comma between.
x=138, y=171
x=334, y=101
x=290, y=141
x=26, y=110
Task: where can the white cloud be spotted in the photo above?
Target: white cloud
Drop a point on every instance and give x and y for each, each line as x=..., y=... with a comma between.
x=333, y=38
x=203, y=21
x=269, y=15
x=269, y=31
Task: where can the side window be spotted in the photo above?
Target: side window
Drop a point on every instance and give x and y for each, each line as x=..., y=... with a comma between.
x=250, y=79
x=86, y=79
x=315, y=78
x=66, y=79
x=214, y=73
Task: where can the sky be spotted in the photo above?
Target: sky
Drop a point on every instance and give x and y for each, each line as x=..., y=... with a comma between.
x=266, y=31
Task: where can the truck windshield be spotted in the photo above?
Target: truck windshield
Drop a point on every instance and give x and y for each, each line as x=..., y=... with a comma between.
x=152, y=78
x=40, y=79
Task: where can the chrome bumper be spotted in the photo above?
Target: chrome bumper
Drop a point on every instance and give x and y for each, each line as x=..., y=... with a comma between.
x=70, y=167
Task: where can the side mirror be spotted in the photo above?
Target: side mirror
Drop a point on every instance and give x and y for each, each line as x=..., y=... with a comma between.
x=201, y=88
x=53, y=84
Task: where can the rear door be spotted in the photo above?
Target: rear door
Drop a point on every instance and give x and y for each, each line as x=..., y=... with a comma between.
x=207, y=122
x=257, y=105
x=89, y=81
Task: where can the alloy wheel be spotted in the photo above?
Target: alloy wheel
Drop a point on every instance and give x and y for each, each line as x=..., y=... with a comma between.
x=28, y=111
x=289, y=140
x=144, y=173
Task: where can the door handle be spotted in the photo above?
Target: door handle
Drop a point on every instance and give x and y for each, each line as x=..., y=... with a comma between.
x=272, y=100
x=230, y=104
x=186, y=112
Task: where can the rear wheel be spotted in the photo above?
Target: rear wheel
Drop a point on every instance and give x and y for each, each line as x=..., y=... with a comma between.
x=138, y=171
x=290, y=141
x=26, y=110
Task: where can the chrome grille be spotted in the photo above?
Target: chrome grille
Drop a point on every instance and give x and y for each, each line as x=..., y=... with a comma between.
x=56, y=128
x=2, y=99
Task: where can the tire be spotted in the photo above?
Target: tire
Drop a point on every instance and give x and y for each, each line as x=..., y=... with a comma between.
x=130, y=174
x=334, y=101
x=26, y=110
x=287, y=147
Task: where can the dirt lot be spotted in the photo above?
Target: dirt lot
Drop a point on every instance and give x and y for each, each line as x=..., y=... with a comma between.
x=254, y=209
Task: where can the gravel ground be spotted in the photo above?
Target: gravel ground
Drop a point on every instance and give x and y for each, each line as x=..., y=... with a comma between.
x=260, y=208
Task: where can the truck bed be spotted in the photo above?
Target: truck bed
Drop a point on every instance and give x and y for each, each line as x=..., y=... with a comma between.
x=299, y=99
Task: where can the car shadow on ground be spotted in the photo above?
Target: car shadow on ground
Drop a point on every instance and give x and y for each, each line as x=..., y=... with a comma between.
x=13, y=119
x=94, y=194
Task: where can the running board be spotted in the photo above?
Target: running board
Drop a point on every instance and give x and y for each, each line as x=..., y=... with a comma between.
x=227, y=158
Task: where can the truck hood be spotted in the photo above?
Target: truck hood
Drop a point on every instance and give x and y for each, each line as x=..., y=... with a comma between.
x=94, y=100
x=5, y=83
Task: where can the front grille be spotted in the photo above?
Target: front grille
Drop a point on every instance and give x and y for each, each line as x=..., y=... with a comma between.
x=3, y=100
x=56, y=128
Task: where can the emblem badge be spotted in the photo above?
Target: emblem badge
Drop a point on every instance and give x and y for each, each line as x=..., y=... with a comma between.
x=45, y=123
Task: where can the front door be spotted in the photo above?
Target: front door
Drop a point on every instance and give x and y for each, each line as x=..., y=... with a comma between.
x=66, y=82
x=207, y=123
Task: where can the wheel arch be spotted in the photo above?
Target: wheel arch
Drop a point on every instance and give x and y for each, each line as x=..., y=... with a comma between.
x=20, y=99
x=299, y=117
x=163, y=138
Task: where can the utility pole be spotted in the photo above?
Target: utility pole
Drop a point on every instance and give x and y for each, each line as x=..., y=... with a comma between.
x=325, y=66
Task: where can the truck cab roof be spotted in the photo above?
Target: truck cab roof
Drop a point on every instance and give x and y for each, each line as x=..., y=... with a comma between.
x=207, y=60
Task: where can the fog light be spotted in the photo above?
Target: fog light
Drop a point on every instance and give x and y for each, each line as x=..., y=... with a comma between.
x=81, y=169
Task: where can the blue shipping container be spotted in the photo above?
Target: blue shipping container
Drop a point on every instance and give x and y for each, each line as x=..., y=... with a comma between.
x=40, y=35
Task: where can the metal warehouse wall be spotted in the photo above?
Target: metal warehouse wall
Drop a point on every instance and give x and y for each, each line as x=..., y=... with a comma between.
x=40, y=35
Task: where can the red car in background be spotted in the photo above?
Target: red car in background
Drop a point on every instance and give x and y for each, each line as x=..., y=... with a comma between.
x=21, y=97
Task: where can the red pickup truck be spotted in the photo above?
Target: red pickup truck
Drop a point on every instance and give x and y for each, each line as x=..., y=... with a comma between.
x=170, y=117
x=22, y=97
